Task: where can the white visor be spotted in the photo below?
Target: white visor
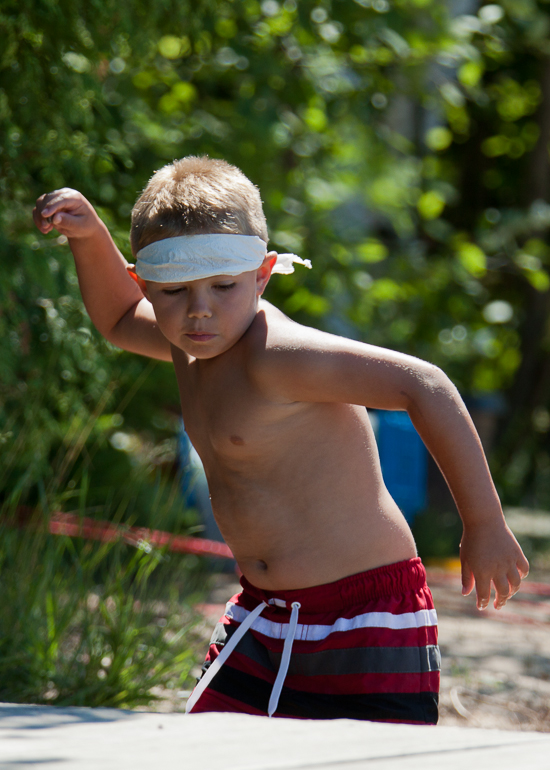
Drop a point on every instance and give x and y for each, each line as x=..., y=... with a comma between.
x=190, y=257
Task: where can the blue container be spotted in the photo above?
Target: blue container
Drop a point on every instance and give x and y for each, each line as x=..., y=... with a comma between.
x=404, y=461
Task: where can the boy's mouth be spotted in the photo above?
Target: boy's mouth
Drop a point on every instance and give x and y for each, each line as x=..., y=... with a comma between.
x=200, y=336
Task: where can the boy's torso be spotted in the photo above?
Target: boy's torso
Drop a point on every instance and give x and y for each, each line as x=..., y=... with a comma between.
x=296, y=487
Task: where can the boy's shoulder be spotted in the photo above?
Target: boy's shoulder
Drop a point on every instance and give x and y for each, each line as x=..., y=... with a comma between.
x=273, y=336
x=288, y=361
x=280, y=351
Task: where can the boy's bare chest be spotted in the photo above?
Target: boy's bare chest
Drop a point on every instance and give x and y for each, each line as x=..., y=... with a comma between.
x=227, y=418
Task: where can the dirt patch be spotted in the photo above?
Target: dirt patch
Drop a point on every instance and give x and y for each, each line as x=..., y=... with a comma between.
x=495, y=665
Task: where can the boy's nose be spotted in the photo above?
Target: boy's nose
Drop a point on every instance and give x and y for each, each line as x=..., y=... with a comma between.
x=198, y=308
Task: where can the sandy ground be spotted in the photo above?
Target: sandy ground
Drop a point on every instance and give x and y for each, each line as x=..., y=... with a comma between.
x=495, y=665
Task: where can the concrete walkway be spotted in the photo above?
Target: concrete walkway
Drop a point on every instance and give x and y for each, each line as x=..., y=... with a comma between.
x=101, y=739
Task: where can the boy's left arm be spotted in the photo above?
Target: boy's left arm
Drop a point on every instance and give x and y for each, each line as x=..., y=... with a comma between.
x=489, y=552
x=328, y=368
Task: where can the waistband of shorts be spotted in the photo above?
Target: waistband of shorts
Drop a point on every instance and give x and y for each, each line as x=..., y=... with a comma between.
x=389, y=580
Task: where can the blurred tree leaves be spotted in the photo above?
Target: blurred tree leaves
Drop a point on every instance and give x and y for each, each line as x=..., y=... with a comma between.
x=399, y=145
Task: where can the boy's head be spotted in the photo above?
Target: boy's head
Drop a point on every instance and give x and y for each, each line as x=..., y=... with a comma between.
x=197, y=196
x=199, y=218
x=198, y=223
x=199, y=237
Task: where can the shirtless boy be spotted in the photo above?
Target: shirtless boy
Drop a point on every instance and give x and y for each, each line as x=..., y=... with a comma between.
x=335, y=618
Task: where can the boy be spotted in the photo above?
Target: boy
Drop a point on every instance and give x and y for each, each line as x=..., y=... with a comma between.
x=335, y=618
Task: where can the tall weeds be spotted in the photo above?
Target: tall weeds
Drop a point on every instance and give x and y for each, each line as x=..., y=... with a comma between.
x=88, y=623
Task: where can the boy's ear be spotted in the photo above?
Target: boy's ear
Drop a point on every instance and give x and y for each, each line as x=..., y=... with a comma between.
x=264, y=272
x=131, y=270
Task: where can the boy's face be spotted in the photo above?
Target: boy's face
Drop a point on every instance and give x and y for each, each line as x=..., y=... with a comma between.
x=206, y=317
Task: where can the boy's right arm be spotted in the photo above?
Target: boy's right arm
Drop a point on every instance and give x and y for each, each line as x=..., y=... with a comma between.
x=112, y=298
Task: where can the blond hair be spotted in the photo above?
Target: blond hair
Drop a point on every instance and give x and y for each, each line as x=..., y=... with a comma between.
x=196, y=195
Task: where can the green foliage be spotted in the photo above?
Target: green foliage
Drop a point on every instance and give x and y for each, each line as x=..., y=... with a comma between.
x=402, y=149
x=90, y=624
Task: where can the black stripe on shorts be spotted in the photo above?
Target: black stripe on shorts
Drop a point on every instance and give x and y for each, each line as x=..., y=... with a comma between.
x=377, y=707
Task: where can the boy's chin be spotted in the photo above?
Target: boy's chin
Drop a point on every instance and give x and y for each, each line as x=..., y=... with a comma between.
x=204, y=352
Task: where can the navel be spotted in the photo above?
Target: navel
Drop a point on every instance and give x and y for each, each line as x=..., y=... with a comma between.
x=237, y=440
x=261, y=565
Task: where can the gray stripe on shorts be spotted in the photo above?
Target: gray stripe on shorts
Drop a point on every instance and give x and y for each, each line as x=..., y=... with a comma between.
x=367, y=660
x=354, y=660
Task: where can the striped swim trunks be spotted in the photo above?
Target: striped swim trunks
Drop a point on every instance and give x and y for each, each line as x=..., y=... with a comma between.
x=364, y=647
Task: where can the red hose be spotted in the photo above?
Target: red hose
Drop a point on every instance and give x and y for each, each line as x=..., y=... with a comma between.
x=76, y=526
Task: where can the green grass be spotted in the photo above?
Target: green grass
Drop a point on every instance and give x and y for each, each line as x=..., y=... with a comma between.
x=86, y=623
x=91, y=624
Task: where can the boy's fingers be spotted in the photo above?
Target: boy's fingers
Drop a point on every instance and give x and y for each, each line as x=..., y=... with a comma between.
x=483, y=591
x=41, y=202
x=467, y=580
x=502, y=591
x=54, y=205
x=64, y=222
x=45, y=201
x=44, y=224
x=523, y=566
x=514, y=579
x=64, y=199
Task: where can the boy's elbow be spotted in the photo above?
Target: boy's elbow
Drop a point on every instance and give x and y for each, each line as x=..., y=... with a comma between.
x=118, y=334
x=431, y=384
x=110, y=334
x=435, y=377
x=440, y=382
x=112, y=329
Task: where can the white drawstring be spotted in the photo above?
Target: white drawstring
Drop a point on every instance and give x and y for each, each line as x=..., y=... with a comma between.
x=233, y=642
x=285, y=660
x=222, y=657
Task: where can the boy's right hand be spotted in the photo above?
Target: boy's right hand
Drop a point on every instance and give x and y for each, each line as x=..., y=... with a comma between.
x=68, y=212
x=491, y=556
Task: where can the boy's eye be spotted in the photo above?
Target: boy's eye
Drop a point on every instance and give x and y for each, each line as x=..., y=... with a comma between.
x=173, y=291
x=225, y=286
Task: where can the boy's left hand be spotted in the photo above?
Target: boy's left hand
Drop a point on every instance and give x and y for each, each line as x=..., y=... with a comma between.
x=490, y=554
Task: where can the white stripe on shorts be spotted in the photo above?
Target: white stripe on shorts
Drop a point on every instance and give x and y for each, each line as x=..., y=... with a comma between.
x=317, y=633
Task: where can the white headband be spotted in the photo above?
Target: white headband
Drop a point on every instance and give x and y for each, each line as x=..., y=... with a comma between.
x=190, y=257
